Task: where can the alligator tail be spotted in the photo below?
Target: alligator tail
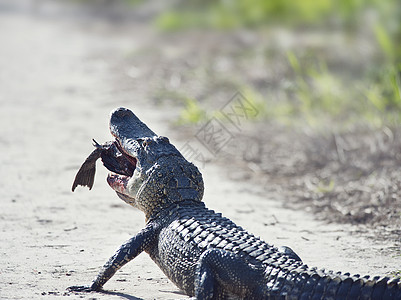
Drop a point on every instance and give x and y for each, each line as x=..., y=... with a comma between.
x=298, y=281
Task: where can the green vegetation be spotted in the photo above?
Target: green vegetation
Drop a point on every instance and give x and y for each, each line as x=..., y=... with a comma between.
x=321, y=94
x=192, y=113
x=254, y=13
x=129, y=2
x=325, y=187
x=317, y=92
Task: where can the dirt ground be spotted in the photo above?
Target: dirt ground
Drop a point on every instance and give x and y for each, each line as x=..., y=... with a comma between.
x=60, y=77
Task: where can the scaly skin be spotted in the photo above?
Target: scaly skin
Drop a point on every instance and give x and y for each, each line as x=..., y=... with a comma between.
x=204, y=254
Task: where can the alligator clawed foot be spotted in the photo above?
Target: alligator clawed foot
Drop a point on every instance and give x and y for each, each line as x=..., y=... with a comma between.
x=81, y=288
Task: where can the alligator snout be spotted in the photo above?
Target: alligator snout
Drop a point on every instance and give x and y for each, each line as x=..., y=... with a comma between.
x=120, y=113
x=125, y=125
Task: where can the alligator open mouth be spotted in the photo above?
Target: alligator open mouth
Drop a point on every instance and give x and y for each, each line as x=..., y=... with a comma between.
x=115, y=159
x=121, y=166
x=117, y=156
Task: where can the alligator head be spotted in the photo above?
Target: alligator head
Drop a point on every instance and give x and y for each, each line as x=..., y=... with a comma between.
x=147, y=171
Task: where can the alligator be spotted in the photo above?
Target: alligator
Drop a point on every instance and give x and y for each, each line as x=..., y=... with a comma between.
x=204, y=254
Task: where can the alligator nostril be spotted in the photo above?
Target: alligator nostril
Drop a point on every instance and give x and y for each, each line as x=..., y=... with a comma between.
x=120, y=113
x=164, y=139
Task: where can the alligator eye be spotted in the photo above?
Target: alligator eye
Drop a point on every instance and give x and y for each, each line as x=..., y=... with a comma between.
x=146, y=143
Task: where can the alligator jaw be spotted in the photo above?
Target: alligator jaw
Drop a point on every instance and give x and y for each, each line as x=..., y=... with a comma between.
x=118, y=181
x=128, y=130
x=113, y=158
x=119, y=184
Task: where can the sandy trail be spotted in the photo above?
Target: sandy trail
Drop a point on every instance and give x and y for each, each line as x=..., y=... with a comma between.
x=56, y=94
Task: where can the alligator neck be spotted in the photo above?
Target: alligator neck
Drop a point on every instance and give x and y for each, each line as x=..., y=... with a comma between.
x=172, y=208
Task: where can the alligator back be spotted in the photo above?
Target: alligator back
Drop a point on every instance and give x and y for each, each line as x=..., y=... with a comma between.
x=190, y=229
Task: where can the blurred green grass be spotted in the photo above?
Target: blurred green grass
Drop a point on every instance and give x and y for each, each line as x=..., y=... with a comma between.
x=254, y=13
x=317, y=93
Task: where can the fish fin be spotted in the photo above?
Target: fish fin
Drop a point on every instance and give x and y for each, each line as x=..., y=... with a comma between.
x=86, y=173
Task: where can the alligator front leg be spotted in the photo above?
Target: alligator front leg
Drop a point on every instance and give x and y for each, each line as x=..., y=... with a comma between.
x=127, y=252
x=220, y=273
